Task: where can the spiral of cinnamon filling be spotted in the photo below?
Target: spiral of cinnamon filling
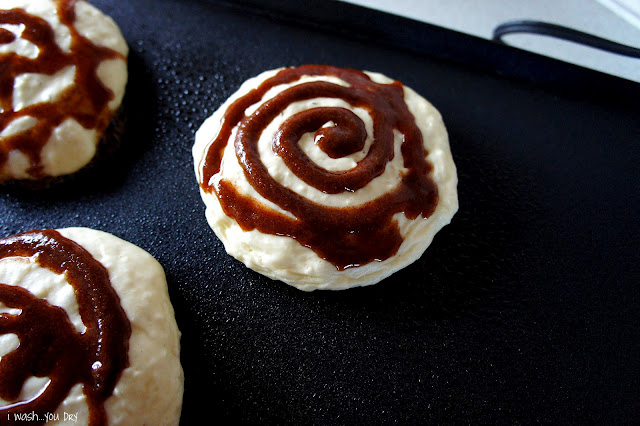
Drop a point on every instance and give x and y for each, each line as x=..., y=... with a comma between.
x=50, y=346
x=345, y=236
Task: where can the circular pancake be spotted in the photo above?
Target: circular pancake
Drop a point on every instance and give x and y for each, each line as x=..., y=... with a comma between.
x=88, y=331
x=63, y=80
x=325, y=178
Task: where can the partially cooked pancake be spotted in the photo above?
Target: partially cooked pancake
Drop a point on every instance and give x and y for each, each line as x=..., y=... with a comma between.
x=326, y=178
x=88, y=333
x=63, y=79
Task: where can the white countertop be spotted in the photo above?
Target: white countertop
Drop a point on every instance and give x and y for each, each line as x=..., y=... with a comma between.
x=616, y=20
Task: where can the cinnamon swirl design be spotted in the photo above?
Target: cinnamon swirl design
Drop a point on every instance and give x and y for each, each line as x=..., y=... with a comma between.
x=63, y=78
x=71, y=346
x=324, y=177
x=49, y=344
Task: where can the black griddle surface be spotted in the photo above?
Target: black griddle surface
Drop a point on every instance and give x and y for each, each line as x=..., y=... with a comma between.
x=525, y=309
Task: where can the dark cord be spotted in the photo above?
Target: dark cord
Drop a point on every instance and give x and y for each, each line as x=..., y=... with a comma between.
x=557, y=31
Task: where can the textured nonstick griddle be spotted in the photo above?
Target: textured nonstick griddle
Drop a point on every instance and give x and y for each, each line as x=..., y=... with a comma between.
x=524, y=309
